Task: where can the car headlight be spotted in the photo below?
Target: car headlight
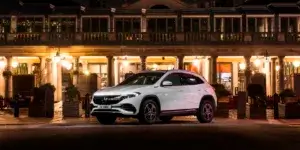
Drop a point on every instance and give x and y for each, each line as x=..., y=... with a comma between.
x=135, y=94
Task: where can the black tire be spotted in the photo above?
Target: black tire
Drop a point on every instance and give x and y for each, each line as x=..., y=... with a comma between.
x=166, y=119
x=205, y=113
x=144, y=116
x=106, y=119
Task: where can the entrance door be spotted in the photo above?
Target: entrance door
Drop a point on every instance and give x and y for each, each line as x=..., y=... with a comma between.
x=224, y=74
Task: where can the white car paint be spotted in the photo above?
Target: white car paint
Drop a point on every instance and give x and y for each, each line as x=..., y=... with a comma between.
x=170, y=97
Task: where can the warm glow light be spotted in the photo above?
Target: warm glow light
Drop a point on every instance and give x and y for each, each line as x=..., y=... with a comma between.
x=66, y=64
x=170, y=67
x=196, y=62
x=57, y=58
x=86, y=72
x=15, y=64
x=296, y=63
x=277, y=68
x=257, y=62
x=154, y=66
x=2, y=64
x=242, y=66
x=125, y=63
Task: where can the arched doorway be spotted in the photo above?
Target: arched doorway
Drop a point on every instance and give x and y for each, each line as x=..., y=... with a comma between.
x=159, y=7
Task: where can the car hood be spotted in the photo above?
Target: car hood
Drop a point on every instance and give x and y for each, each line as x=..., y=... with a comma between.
x=119, y=90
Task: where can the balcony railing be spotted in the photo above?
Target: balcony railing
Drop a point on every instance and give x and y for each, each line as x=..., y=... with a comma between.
x=153, y=38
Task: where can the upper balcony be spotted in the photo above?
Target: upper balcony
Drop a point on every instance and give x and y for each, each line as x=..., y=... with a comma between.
x=150, y=38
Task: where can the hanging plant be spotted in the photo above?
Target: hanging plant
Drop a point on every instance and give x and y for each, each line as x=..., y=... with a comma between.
x=7, y=73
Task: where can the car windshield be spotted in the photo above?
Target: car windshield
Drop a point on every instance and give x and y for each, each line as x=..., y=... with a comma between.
x=143, y=78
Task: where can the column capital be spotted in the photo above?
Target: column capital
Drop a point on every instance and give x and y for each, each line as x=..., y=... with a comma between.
x=214, y=56
x=273, y=59
x=280, y=57
x=143, y=57
x=247, y=57
x=180, y=56
x=8, y=57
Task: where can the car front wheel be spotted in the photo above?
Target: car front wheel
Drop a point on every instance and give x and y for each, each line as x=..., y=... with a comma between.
x=106, y=119
x=148, y=112
x=205, y=112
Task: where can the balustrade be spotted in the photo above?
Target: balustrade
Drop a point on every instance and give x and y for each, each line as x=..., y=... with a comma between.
x=163, y=38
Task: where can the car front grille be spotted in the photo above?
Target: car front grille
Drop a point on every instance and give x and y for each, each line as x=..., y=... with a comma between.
x=102, y=100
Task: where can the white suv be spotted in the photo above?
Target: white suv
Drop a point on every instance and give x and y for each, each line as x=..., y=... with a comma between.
x=156, y=95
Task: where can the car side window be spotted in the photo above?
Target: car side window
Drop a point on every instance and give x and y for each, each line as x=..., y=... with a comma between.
x=174, y=78
x=188, y=79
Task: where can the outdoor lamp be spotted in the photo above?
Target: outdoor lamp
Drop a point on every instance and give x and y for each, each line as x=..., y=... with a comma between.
x=257, y=62
x=57, y=57
x=196, y=61
x=277, y=68
x=242, y=66
x=296, y=64
x=86, y=72
x=15, y=64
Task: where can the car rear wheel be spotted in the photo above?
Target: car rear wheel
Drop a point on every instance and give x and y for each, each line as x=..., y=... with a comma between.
x=205, y=112
x=149, y=111
x=106, y=119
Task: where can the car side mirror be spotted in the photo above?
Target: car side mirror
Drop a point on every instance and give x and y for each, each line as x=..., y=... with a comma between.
x=167, y=83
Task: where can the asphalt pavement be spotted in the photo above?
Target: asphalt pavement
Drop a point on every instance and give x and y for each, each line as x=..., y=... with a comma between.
x=176, y=135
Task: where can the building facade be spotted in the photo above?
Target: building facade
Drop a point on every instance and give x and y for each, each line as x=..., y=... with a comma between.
x=226, y=45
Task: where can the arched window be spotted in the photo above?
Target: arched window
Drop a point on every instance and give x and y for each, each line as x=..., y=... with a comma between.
x=159, y=7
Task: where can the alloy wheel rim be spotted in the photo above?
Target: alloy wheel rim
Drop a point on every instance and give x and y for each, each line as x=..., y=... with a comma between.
x=207, y=111
x=150, y=112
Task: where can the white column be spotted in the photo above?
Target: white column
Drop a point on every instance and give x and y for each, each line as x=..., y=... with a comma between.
x=268, y=78
x=29, y=67
x=2, y=83
x=59, y=82
x=116, y=70
x=205, y=69
x=235, y=74
x=143, y=24
x=75, y=68
x=43, y=69
x=13, y=24
x=9, y=88
x=54, y=79
x=48, y=71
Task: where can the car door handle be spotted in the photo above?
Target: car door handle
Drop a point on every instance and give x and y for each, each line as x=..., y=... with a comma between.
x=180, y=90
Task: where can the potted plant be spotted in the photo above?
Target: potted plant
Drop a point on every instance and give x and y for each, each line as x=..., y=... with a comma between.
x=257, y=107
x=7, y=73
x=223, y=96
x=42, y=104
x=287, y=96
x=71, y=103
x=288, y=107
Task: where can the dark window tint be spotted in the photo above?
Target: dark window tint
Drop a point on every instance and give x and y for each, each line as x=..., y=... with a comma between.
x=174, y=78
x=188, y=79
x=143, y=79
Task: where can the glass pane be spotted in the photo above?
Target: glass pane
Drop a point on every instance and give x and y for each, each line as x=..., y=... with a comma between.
x=228, y=25
x=95, y=24
x=195, y=25
x=103, y=24
x=204, y=24
x=86, y=25
x=251, y=25
x=236, y=25
x=187, y=25
x=119, y=25
x=161, y=25
x=151, y=27
x=136, y=25
x=171, y=25
x=218, y=23
x=127, y=25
